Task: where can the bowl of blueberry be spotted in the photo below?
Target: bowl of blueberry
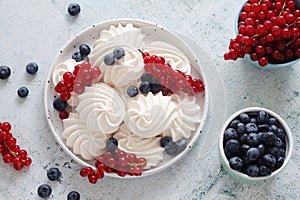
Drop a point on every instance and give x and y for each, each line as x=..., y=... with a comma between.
x=267, y=34
x=255, y=144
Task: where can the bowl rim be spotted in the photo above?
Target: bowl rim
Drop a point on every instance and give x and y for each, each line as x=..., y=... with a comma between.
x=247, y=56
x=289, y=139
x=135, y=22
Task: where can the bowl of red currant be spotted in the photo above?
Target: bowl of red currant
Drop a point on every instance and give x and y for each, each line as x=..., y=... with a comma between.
x=255, y=144
x=267, y=33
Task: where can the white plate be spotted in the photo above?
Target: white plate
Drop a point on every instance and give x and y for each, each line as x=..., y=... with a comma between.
x=153, y=32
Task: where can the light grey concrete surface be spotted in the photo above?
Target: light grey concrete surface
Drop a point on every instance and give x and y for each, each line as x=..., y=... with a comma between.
x=34, y=31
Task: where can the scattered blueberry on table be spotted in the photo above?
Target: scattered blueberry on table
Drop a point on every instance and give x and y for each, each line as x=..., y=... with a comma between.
x=23, y=92
x=4, y=72
x=74, y=9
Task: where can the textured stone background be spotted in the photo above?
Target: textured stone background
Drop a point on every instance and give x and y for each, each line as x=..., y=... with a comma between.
x=35, y=30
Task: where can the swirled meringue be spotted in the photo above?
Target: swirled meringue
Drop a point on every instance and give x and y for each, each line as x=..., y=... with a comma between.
x=83, y=142
x=187, y=119
x=171, y=54
x=61, y=68
x=148, y=116
x=127, y=34
x=125, y=70
x=101, y=108
x=148, y=148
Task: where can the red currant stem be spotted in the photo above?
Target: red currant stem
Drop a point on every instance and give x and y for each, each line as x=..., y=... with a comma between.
x=259, y=2
x=137, y=164
x=288, y=25
x=141, y=52
x=283, y=7
x=11, y=152
x=290, y=42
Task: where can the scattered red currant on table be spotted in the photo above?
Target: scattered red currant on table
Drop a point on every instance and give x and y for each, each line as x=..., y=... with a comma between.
x=11, y=152
x=268, y=30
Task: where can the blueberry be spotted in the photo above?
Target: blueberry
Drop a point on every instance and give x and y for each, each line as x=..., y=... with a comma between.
x=251, y=128
x=263, y=127
x=278, y=143
x=261, y=149
x=236, y=163
x=77, y=56
x=253, y=139
x=262, y=117
x=252, y=154
x=230, y=133
x=165, y=140
x=234, y=123
x=111, y=144
x=243, y=138
x=74, y=9
x=73, y=195
x=59, y=104
x=4, y=72
x=253, y=120
x=170, y=148
x=44, y=191
x=54, y=174
x=269, y=160
x=252, y=114
x=32, y=68
x=273, y=151
x=145, y=87
x=281, y=152
x=273, y=128
x=84, y=49
x=264, y=170
x=279, y=162
x=118, y=53
x=23, y=92
x=281, y=134
x=109, y=59
x=240, y=128
x=132, y=91
x=244, y=148
x=181, y=145
x=232, y=145
x=269, y=138
x=253, y=170
x=147, y=77
x=245, y=118
x=273, y=121
x=155, y=87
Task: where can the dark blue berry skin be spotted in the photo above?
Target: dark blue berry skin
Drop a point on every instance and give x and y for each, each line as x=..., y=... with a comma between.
x=32, y=68
x=230, y=133
x=281, y=152
x=181, y=145
x=145, y=87
x=4, y=72
x=264, y=170
x=23, y=92
x=279, y=162
x=84, y=49
x=251, y=128
x=118, y=53
x=155, y=87
x=269, y=160
x=232, y=145
x=273, y=128
x=236, y=163
x=253, y=120
x=253, y=139
x=252, y=154
x=263, y=117
x=165, y=141
x=73, y=195
x=278, y=143
x=273, y=151
x=74, y=9
x=243, y=138
x=54, y=174
x=263, y=127
x=244, y=148
x=244, y=118
x=269, y=138
x=252, y=170
x=59, y=104
x=281, y=134
x=111, y=144
x=77, y=56
x=109, y=59
x=261, y=149
x=44, y=191
x=273, y=121
x=147, y=77
x=240, y=128
x=132, y=91
x=234, y=123
x=171, y=148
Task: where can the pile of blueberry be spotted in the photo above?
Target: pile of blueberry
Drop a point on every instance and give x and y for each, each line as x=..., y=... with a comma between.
x=255, y=144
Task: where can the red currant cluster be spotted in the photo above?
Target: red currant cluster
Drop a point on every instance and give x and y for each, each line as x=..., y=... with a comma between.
x=11, y=152
x=172, y=80
x=115, y=162
x=269, y=31
x=76, y=81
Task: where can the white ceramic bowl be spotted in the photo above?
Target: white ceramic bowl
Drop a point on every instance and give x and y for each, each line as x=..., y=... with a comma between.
x=153, y=32
x=244, y=177
x=255, y=63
